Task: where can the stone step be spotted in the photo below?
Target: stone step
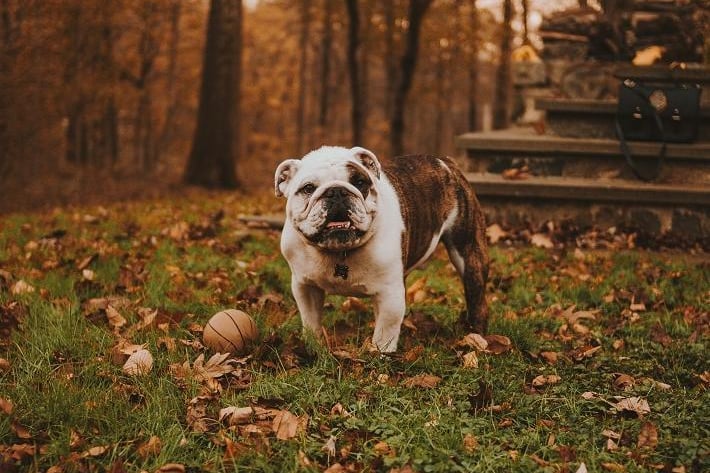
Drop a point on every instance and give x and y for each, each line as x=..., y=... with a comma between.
x=589, y=190
x=579, y=118
x=549, y=155
x=653, y=209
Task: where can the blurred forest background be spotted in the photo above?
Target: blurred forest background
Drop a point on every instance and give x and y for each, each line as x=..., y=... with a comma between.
x=102, y=98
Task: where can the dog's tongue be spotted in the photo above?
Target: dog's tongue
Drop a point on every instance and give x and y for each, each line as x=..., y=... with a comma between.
x=338, y=225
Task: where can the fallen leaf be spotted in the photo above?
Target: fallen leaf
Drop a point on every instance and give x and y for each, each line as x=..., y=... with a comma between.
x=586, y=351
x=413, y=354
x=88, y=274
x=495, y=233
x=611, y=434
x=139, y=363
x=4, y=365
x=21, y=287
x=544, y=380
x=335, y=468
x=287, y=425
x=582, y=468
x=303, y=460
x=236, y=415
x=20, y=430
x=549, y=356
x=171, y=468
x=339, y=410
x=95, y=451
x=470, y=360
x=633, y=404
x=383, y=448
x=498, y=344
x=416, y=289
x=150, y=448
x=610, y=466
x=6, y=406
x=541, y=241
x=611, y=445
x=538, y=460
x=470, y=444
x=354, y=304
x=589, y=395
x=115, y=319
x=637, y=307
x=648, y=436
x=474, y=340
x=422, y=381
x=196, y=416
x=623, y=381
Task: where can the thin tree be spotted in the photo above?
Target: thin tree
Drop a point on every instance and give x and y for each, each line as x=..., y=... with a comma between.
x=326, y=41
x=417, y=10
x=302, y=69
x=503, y=90
x=389, y=56
x=353, y=69
x=213, y=157
x=473, y=69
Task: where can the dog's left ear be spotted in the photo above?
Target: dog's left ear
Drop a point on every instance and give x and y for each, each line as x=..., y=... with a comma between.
x=368, y=159
x=283, y=175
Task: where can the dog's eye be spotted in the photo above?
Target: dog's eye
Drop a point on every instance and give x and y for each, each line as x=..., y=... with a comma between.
x=361, y=183
x=308, y=189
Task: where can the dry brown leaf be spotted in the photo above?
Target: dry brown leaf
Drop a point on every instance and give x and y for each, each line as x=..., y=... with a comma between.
x=541, y=241
x=147, y=317
x=633, y=404
x=236, y=415
x=615, y=467
x=470, y=443
x=545, y=380
x=150, y=448
x=495, y=233
x=20, y=430
x=21, y=287
x=549, y=356
x=611, y=445
x=611, y=434
x=139, y=363
x=413, y=354
x=171, y=468
x=582, y=468
x=586, y=351
x=637, y=307
x=217, y=366
x=417, y=286
x=470, y=360
x=624, y=381
x=335, y=468
x=474, y=340
x=20, y=451
x=4, y=365
x=167, y=342
x=383, y=448
x=538, y=460
x=589, y=395
x=339, y=410
x=498, y=344
x=6, y=406
x=354, y=304
x=422, y=381
x=618, y=344
x=648, y=436
x=115, y=319
x=287, y=425
x=95, y=451
x=55, y=469
x=196, y=416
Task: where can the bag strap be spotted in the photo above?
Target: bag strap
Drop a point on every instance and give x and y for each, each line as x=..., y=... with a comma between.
x=656, y=170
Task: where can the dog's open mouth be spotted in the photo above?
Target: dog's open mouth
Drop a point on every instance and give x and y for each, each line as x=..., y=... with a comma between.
x=338, y=225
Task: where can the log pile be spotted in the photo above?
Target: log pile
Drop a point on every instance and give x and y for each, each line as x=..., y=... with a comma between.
x=626, y=27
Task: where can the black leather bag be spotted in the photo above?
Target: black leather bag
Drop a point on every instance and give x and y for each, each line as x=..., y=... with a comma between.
x=667, y=114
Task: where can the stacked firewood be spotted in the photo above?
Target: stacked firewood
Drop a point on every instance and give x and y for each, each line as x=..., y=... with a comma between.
x=677, y=28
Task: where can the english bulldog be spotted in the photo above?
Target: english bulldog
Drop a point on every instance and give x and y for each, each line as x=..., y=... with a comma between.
x=357, y=227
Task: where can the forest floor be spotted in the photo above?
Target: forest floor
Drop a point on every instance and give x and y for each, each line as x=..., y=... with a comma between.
x=596, y=357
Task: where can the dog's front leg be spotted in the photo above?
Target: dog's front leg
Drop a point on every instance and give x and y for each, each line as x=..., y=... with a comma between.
x=390, y=306
x=309, y=300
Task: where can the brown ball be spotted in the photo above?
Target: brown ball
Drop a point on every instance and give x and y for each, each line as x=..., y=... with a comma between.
x=229, y=330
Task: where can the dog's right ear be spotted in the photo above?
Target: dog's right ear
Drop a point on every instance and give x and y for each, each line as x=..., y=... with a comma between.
x=284, y=173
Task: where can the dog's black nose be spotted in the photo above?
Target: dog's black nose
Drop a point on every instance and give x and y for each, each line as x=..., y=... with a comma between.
x=336, y=192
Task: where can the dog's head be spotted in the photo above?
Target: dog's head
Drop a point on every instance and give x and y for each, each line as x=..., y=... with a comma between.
x=331, y=195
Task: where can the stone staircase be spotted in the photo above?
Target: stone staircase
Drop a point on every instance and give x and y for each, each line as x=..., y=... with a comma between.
x=575, y=170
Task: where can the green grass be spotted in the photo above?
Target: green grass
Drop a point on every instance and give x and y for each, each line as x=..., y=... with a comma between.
x=70, y=397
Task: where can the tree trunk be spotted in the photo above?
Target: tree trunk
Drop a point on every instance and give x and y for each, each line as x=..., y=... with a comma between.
x=417, y=10
x=389, y=59
x=6, y=21
x=302, y=68
x=353, y=69
x=503, y=91
x=213, y=156
x=325, y=65
x=526, y=9
x=473, y=70
x=166, y=134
